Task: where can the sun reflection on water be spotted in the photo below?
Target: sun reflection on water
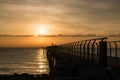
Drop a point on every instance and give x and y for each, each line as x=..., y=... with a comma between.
x=43, y=63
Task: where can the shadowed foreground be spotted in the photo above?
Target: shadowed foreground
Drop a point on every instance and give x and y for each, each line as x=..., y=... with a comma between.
x=73, y=68
x=24, y=77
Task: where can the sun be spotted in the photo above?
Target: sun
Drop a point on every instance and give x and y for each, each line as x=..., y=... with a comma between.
x=42, y=31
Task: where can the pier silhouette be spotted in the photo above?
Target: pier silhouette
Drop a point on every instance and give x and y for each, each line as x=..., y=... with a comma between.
x=93, y=59
x=84, y=60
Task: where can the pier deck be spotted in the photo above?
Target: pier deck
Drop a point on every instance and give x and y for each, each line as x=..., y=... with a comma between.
x=68, y=67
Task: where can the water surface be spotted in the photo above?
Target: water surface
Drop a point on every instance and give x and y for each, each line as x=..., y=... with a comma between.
x=23, y=60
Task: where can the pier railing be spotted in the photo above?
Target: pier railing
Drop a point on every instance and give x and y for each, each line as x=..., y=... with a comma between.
x=94, y=50
x=113, y=48
x=113, y=53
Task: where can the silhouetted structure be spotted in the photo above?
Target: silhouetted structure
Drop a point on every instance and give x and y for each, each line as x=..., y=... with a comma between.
x=83, y=60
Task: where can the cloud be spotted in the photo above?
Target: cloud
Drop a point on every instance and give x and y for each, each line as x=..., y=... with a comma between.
x=80, y=35
x=8, y=35
x=114, y=35
x=86, y=15
x=100, y=10
x=63, y=35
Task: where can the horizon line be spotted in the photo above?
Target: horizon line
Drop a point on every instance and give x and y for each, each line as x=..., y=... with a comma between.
x=61, y=35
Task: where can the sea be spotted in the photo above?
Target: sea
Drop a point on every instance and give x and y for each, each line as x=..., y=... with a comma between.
x=23, y=60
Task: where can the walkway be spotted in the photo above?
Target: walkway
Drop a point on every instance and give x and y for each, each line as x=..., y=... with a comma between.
x=73, y=68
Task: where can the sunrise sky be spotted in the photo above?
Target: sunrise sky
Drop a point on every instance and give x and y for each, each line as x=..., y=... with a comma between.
x=56, y=17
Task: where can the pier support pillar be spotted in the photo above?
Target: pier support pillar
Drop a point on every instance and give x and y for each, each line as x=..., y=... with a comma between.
x=103, y=53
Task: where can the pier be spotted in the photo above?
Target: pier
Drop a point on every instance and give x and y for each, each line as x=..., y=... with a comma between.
x=91, y=59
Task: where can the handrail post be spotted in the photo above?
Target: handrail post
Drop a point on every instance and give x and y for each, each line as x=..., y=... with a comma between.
x=115, y=49
x=88, y=50
x=103, y=53
x=110, y=49
x=93, y=52
x=84, y=49
x=81, y=49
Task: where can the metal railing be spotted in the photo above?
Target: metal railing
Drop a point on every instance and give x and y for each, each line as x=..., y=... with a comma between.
x=113, y=53
x=113, y=45
x=94, y=50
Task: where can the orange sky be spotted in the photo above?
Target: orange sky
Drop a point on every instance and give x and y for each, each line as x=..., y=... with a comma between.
x=41, y=41
x=34, y=41
x=56, y=17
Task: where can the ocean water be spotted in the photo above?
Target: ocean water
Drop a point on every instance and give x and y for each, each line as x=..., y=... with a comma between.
x=23, y=60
